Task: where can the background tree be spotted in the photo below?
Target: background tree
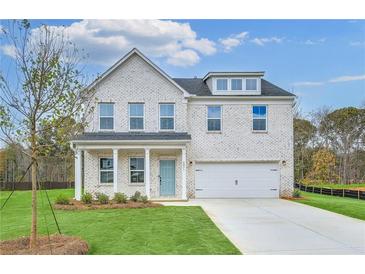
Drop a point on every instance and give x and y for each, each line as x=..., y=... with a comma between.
x=324, y=162
x=44, y=91
x=304, y=132
x=344, y=128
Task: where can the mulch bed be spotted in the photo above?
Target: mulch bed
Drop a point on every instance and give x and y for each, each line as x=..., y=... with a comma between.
x=55, y=245
x=293, y=198
x=78, y=205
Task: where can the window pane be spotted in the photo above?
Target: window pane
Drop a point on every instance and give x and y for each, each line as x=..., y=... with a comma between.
x=106, y=176
x=236, y=84
x=259, y=111
x=136, y=110
x=214, y=112
x=259, y=124
x=106, y=123
x=137, y=163
x=214, y=124
x=136, y=123
x=222, y=84
x=167, y=109
x=137, y=176
x=106, y=163
x=251, y=84
x=106, y=109
x=167, y=123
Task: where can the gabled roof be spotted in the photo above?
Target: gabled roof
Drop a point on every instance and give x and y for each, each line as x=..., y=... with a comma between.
x=198, y=87
x=140, y=54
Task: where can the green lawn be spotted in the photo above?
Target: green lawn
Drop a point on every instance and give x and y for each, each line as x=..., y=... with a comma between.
x=345, y=206
x=339, y=186
x=164, y=230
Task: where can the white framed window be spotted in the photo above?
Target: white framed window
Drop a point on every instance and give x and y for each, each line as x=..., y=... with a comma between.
x=136, y=170
x=106, y=116
x=236, y=84
x=167, y=116
x=222, y=84
x=251, y=84
x=106, y=170
x=136, y=116
x=259, y=115
x=214, y=118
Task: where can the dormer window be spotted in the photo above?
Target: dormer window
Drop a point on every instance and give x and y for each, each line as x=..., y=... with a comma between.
x=236, y=84
x=251, y=84
x=222, y=84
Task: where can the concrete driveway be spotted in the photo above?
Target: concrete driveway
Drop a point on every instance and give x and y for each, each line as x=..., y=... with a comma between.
x=275, y=226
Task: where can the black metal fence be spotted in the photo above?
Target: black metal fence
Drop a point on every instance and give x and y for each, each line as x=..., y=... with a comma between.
x=28, y=185
x=349, y=193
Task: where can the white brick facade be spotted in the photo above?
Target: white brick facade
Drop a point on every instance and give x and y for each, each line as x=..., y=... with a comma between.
x=136, y=81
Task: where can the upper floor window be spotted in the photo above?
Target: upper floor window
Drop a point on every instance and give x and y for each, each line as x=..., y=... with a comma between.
x=236, y=84
x=106, y=116
x=214, y=118
x=259, y=122
x=136, y=169
x=136, y=116
x=251, y=84
x=167, y=116
x=106, y=170
x=222, y=84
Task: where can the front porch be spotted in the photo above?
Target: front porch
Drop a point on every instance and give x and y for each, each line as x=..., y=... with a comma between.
x=157, y=171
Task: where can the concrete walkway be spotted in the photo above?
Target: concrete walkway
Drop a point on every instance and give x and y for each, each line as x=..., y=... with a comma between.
x=275, y=226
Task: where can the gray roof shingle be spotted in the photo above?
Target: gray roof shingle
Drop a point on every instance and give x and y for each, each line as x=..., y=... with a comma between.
x=131, y=136
x=197, y=86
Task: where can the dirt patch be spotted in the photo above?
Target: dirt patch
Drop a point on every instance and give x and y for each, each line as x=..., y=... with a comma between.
x=293, y=198
x=77, y=205
x=55, y=245
x=361, y=188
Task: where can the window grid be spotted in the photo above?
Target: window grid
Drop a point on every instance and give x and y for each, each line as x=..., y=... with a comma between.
x=167, y=116
x=259, y=119
x=211, y=126
x=108, y=171
x=106, y=116
x=136, y=172
x=136, y=117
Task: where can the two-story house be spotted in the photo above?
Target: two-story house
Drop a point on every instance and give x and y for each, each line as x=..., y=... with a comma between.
x=227, y=135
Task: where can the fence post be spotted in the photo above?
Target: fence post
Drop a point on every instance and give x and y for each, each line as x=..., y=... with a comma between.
x=331, y=191
x=358, y=194
x=321, y=190
x=343, y=192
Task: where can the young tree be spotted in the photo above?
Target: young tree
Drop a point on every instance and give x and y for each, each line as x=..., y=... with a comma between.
x=45, y=89
x=344, y=128
x=304, y=132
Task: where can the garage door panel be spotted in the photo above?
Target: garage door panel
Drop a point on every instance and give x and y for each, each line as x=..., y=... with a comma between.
x=237, y=180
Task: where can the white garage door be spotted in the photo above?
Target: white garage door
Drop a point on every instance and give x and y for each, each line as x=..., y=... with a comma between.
x=237, y=180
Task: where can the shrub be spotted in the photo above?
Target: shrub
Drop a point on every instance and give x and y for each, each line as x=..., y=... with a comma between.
x=62, y=199
x=87, y=198
x=144, y=199
x=296, y=193
x=120, y=198
x=136, y=197
x=102, y=198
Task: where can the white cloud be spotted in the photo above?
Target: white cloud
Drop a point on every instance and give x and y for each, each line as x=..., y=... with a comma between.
x=233, y=41
x=107, y=40
x=347, y=78
x=307, y=84
x=265, y=40
x=8, y=50
x=357, y=44
x=315, y=42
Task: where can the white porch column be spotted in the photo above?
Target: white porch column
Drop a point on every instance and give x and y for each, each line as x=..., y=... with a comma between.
x=115, y=170
x=147, y=171
x=183, y=173
x=78, y=175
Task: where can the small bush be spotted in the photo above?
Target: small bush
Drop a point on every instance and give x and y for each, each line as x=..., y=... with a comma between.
x=62, y=199
x=136, y=197
x=120, y=198
x=296, y=193
x=87, y=198
x=102, y=198
x=144, y=199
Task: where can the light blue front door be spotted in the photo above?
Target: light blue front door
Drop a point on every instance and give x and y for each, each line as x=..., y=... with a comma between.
x=167, y=177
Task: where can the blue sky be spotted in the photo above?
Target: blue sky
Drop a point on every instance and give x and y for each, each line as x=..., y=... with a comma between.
x=322, y=61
